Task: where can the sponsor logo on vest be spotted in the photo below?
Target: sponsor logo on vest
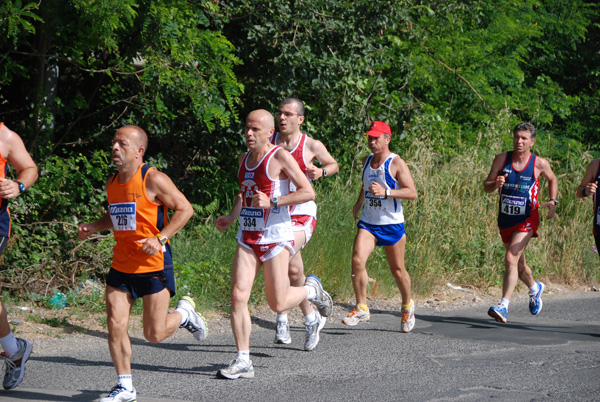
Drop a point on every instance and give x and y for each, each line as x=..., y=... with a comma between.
x=118, y=209
x=249, y=175
x=251, y=213
x=520, y=186
x=516, y=201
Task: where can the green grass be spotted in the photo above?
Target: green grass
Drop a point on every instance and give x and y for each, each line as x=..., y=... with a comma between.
x=452, y=235
x=451, y=228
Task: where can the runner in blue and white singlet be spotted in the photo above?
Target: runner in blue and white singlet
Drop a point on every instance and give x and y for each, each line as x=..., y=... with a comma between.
x=380, y=210
x=386, y=180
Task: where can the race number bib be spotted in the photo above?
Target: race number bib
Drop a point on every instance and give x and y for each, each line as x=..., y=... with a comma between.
x=511, y=205
x=373, y=203
x=122, y=215
x=252, y=219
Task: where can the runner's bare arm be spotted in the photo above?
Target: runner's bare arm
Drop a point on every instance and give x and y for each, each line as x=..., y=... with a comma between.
x=495, y=179
x=321, y=154
x=286, y=166
x=16, y=154
x=587, y=184
x=404, y=178
x=85, y=230
x=225, y=221
x=160, y=188
x=546, y=172
x=361, y=197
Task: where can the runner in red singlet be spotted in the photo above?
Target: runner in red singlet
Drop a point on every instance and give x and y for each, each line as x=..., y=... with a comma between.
x=305, y=151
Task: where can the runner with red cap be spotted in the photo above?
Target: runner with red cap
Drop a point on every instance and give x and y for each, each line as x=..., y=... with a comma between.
x=386, y=181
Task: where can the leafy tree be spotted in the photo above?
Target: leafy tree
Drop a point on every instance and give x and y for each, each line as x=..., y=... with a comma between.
x=73, y=72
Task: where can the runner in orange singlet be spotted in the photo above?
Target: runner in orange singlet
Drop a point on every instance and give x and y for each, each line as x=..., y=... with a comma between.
x=139, y=197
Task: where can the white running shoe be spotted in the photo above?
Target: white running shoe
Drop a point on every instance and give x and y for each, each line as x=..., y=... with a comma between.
x=195, y=322
x=283, y=334
x=356, y=315
x=237, y=368
x=322, y=301
x=120, y=394
x=312, y=332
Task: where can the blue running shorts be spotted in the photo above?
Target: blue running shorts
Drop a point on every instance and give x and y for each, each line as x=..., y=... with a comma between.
x=139, y=285
x=386, y=235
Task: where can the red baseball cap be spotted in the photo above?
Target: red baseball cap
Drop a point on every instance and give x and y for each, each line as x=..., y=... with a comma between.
x=378, y=128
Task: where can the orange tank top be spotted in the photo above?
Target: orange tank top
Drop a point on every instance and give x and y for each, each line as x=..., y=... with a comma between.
x=134, y=217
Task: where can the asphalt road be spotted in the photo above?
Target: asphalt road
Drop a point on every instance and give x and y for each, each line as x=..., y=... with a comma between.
x=453, y=355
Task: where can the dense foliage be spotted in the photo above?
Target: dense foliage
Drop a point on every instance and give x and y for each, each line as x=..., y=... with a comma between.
x=188, y=71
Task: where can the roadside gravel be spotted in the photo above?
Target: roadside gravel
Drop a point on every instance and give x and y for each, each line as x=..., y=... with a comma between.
x=34, y=322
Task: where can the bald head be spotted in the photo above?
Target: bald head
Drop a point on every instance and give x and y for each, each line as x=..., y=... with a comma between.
x=260, y=126
x=262, y=116
x=137, y=134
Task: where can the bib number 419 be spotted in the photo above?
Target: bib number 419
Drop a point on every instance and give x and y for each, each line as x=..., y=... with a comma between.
x=512, y=210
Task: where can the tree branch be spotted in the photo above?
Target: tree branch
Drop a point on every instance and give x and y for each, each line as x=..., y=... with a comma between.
x=453, y=71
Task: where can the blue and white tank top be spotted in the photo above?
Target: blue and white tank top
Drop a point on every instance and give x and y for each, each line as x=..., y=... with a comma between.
x=380, y=210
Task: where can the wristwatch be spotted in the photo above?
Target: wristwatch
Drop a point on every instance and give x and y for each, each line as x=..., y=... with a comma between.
x=388, y=192
x=162, y=239
x=274, y=201
x=555, y=201
x=324, y=172
x=21, y=186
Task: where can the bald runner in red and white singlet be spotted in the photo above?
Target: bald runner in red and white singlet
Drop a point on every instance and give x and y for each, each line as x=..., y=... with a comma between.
x=266, y=231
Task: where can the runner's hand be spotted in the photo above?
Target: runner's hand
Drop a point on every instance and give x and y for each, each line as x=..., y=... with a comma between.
x=591, y=188
x=8, y=188
x=313, y=172
x=150, y=245
x=500, y=180
x=377, y=190
x=551, y=207
x=85, y=230
x=261, y=200
x=356, y=209
x=223, y=222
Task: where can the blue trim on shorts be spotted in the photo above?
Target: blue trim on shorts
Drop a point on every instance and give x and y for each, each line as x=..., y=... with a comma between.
x=386, y=235
x=139, y=285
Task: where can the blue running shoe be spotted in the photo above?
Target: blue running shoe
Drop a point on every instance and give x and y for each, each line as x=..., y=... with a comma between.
x=535, y=301
x=498, y=313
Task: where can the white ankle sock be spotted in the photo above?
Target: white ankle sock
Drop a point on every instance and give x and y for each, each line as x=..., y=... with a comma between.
x=244, y=355
x=184, y=315
x=126, y=381
x=9, y=344
x=310, y=318
x=504, y=302
x=534, y=289
x=312, y=292
x=282, y=318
